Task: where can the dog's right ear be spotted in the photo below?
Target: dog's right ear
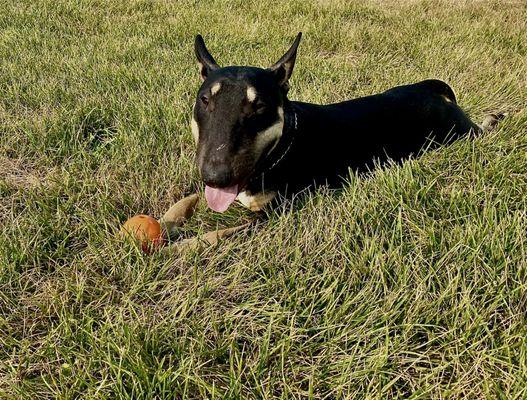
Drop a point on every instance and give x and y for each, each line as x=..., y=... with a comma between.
x=205, y=60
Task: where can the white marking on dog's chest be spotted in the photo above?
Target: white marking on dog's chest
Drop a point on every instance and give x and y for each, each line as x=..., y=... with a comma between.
x=255, y=202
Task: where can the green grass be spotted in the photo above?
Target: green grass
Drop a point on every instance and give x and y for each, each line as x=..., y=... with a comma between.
x=410, y=283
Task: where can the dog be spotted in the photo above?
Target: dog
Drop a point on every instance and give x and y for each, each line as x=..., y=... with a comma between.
x=253, y=143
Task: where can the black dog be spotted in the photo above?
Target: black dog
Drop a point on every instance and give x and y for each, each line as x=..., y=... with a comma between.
x=253, y=142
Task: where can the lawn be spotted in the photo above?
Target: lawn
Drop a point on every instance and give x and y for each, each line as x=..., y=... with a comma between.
x=410, y=282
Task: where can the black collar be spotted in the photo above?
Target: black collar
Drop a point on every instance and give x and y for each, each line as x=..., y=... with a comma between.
x=288, y=135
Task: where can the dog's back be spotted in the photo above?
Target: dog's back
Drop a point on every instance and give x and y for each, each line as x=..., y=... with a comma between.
x=355, y=134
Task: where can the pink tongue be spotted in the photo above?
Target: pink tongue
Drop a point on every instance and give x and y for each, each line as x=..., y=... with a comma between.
x=219, y=199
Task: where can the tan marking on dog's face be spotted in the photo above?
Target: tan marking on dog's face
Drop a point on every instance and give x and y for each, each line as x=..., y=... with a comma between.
x=251, y=94
x=447, y=99
x=269, y=135
x=215, y=88
x=255, y=202
x=195, y=130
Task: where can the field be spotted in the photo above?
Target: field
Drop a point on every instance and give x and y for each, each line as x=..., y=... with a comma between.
x=411, y=282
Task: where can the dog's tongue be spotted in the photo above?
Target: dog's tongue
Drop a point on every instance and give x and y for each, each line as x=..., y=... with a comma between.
x=219, y=199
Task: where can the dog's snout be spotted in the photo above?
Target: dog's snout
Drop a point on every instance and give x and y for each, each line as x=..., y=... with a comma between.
x=219, y=175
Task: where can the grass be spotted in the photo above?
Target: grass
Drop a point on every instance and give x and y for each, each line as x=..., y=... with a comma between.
x=409, y=283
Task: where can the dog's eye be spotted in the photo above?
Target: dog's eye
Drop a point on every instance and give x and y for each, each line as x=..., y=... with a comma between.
x=259, y=107
x=205, y=100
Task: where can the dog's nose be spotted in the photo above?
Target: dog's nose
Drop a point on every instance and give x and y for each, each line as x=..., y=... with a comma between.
x=218, y=176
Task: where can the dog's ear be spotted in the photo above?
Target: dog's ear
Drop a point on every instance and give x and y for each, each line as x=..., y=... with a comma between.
x=205, y=60
x=283, y=68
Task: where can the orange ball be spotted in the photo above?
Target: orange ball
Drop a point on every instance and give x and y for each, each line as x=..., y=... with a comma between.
x=145, y=230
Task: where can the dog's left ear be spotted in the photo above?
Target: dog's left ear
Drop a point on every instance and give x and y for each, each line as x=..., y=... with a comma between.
x=283, y=68
x=205, y=60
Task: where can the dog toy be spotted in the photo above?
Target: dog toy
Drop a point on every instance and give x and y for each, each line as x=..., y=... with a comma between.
x=207, y=239
x=178, y=214
x=152, y=234
x=145, y=230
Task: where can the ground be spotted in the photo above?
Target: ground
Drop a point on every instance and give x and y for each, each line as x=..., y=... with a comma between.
x=409, y=283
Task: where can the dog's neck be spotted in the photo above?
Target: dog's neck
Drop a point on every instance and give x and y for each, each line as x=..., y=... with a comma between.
x=285, y=143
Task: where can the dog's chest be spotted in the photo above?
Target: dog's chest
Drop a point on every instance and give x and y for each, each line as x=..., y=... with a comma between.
x=255, y=201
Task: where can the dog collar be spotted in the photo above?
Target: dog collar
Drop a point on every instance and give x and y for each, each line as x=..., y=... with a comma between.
x=291, y=123
x=295, y=127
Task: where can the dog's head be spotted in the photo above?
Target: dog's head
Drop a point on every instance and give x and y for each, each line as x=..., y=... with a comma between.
x=238, y=119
